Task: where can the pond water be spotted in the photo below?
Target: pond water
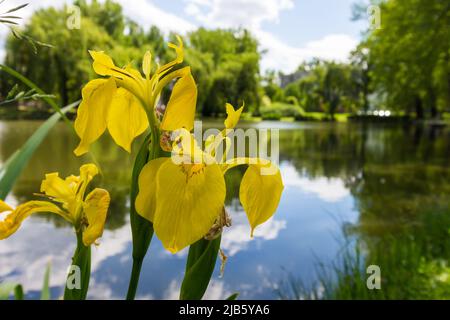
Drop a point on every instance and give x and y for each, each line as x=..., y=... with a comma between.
x=366, y=184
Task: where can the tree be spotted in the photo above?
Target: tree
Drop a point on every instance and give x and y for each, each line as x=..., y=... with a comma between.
x=410, y=54
x=108, y=15
x=64, y=68
x=270, y=86
x=229, y=71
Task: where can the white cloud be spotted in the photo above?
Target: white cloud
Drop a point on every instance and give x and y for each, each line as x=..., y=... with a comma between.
x=240, y=13
x=147, y=14
x=256, y=15
x=281, y=56
x=237, y=237
x=329, y=190
x=25, y=255
x=192, y=10
x=143, y=12
x=253, y=15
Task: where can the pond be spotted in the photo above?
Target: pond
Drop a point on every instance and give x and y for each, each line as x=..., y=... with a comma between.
x=378, y=191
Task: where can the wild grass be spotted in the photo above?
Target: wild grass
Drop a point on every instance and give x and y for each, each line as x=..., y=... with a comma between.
x=414, y=265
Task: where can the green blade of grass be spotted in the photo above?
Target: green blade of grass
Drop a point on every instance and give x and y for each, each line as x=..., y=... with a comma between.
x=17, y=162
x=17, y=8
x=234, y=296
x=18, y=293
x=6, y=289
x=45, y=293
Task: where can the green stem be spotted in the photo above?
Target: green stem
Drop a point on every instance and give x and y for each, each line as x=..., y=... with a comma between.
x=134, y=280
x=141, y=229
x=77, y=283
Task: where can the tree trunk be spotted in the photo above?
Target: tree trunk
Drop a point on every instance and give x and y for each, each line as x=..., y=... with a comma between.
x=419, y=108
x=434, y=112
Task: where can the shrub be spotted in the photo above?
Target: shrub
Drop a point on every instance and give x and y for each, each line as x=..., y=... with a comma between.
x=279, y=110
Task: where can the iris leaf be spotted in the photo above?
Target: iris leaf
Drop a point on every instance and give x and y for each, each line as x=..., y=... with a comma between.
x=199, y=268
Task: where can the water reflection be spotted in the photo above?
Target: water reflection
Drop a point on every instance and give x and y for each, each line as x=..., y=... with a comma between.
x=375, y=183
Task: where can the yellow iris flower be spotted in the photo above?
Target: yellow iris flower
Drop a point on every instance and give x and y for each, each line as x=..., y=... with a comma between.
x=86, y=214
x=124, y=101
x=184, y=200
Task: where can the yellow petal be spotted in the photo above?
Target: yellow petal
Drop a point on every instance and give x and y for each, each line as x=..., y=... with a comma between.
x=87, y=173
x=146, y=198
x=185, y=149
x=69, y=192
x=59, y=190
x=179, y=50
x=147, y=64
x=15, y=218
x=180, y=111
x=260, y=194
x=4, y=207
x=127, y=119
x=229, y=164
x=127, y=78
x=133, y=72
x=95, y=210
x=233, y=116
x=103, y=64
x=92, y=112
x=189, y=199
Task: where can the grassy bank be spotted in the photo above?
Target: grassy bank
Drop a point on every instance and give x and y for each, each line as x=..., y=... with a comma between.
x=277, y=111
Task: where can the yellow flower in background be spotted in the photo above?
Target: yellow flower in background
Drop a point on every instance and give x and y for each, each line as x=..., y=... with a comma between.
x=66, y=199
x=183, y=200
x=124, y=101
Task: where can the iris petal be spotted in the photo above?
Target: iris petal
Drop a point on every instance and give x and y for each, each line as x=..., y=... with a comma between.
x=127, y=78
x=59, y=190
x=95, y=210
x=92, y=112
x=180, y=111
x=126, y=119
x=179, y=50
x=146, y=198
x=189, y=199
x=260, y=193
x=233, y=116
x=15, y=218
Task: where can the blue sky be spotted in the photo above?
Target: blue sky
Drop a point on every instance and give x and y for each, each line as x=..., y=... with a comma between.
x=291, y=31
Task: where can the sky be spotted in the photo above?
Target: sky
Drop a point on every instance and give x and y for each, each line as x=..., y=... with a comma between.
x=289, y=31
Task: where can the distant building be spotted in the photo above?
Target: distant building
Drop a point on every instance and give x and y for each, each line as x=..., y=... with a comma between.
x=285, y=79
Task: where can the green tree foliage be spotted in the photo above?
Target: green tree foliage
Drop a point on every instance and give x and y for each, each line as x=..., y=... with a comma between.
x=410, y=55
x=108, y=15
x=225, y=63
x=227, y=68
x=62, y=68
x=326, y=86
x=271, y=89
x=405, y=64
x=66, y=66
